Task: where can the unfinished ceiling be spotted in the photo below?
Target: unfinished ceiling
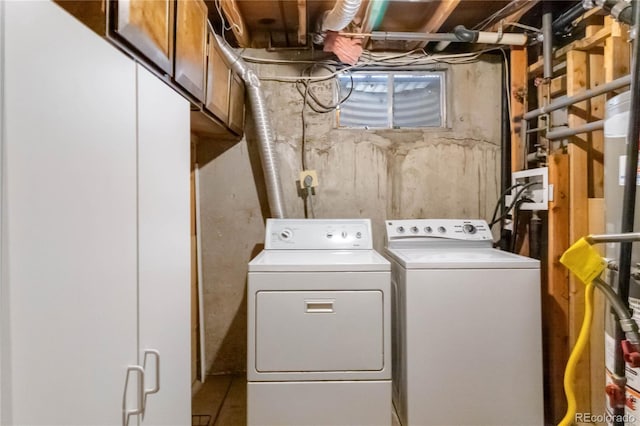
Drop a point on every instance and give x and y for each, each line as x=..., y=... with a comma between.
x=290, y=23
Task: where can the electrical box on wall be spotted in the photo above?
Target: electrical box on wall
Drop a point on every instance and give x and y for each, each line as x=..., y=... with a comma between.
x=534, y=185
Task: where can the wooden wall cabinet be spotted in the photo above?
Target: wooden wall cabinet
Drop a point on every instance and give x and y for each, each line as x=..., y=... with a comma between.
x=148, y=27
x=218, y=75
x=191, y=46
x=225, y=90
x=236, y=104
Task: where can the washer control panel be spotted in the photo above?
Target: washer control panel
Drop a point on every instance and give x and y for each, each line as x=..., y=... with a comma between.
x=452, y=229
x=318, y=234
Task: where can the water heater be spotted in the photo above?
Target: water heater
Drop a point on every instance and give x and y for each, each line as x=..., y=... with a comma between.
x=615, y=148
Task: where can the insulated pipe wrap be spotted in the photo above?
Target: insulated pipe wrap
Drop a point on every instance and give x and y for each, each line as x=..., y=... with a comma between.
x=341, y=15
x=263, y=128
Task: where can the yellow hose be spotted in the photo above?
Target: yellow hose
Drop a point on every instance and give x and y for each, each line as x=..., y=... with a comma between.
x=576, y=353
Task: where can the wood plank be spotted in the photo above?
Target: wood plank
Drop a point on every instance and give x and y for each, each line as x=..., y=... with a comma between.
x=597, y=226
x=577, y=80
x=617, y=57
x=302, y=22
x=444, y=9
x=518, y=104
x=527, y=5
x=555, y=291
x=558, y=86
x=589, y=43
x=596, y=138
x=238, y=26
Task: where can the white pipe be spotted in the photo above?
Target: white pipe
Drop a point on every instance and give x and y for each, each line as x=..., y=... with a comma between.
x=341, y=15
x=263, y=127
x=513, y=39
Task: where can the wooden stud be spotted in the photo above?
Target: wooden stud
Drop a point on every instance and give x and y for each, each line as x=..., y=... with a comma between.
x=238, y=26
x=617, y=57
x=444, y=9
x=555, y=291
x=518, y=105
x=577, y=80
x=596, y=138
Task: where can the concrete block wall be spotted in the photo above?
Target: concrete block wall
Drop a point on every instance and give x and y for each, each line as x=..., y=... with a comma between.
x=379, y=174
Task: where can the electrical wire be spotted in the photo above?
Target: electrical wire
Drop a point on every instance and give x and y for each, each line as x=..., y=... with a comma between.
x=576, y=354
x=513, y=202
x=500, y=201
x=516, y=215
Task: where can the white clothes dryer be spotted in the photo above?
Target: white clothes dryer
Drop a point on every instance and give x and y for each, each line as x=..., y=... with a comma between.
x=467, y=345
x=319, y=332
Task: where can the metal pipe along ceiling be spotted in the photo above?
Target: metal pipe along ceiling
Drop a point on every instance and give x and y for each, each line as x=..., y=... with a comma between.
x=268, y=156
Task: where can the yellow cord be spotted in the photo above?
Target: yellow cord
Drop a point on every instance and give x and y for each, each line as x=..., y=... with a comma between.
x=576, y=353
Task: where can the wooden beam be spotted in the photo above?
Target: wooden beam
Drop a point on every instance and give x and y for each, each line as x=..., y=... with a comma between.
x=527, y=5
x=597, y=106
x=444, y=9
x=617, y=57
x=577, y=81
x=302, y=22
x=518, y=88
x=555, y=291
x=558, y=86
x=238, y=26
x=584, y=44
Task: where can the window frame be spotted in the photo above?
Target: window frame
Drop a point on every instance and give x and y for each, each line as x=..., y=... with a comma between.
x=444, y=90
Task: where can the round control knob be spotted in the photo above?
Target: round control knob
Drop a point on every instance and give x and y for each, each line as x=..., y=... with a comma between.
x=358, y=235
x=469, y=228
x=329, y=234
x=414, y=229
x=428, y=229
x=442, y=229
x=400, y=229
x=286, y=234
x=344, y=234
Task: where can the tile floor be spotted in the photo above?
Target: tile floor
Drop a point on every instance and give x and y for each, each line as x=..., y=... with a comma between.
x=222, y=401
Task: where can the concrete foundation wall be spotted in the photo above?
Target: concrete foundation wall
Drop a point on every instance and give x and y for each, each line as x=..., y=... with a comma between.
x=377, y=174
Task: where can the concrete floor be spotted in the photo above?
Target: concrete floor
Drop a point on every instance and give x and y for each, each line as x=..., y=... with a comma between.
x=222, y=401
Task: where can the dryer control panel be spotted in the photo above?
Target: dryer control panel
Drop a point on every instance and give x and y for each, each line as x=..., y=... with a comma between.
x=438, y=229
x=318, y=234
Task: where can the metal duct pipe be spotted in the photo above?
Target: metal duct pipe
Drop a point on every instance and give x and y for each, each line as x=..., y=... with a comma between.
x=565, y=133
x=547, y=44
x=263, y=127
x=471, y=36
x=582, y=96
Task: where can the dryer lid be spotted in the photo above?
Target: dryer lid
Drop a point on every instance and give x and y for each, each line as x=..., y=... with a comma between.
x=318, y=261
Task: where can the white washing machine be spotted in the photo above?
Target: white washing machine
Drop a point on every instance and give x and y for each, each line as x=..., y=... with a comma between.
x=467, y=345
x=319, y=333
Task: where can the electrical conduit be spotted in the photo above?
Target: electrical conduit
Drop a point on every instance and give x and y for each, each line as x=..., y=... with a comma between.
x=268, y=156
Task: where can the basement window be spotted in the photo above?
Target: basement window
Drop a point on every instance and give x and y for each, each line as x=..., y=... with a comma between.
x=392, y=100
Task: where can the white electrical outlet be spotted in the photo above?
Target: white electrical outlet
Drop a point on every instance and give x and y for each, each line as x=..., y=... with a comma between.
x=305, y=174
x=537, y=190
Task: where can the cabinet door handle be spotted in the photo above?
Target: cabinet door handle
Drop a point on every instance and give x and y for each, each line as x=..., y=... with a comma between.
x=156, y=387
x=127, y=413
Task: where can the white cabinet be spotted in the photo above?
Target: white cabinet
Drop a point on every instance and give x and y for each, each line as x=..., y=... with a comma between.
x=95, y=239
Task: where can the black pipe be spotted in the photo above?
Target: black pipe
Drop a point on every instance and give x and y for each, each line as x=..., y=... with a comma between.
x=619, y=9
x=562, y=25
x=535, y=236
x=465, y=35
x=631, y=170
x=505, y=149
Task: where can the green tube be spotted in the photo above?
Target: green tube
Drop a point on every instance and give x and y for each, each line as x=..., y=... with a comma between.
x=378, y=9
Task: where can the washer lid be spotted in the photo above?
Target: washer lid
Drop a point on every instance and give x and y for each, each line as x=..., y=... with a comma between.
x=461, y=258
x=318, y=261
